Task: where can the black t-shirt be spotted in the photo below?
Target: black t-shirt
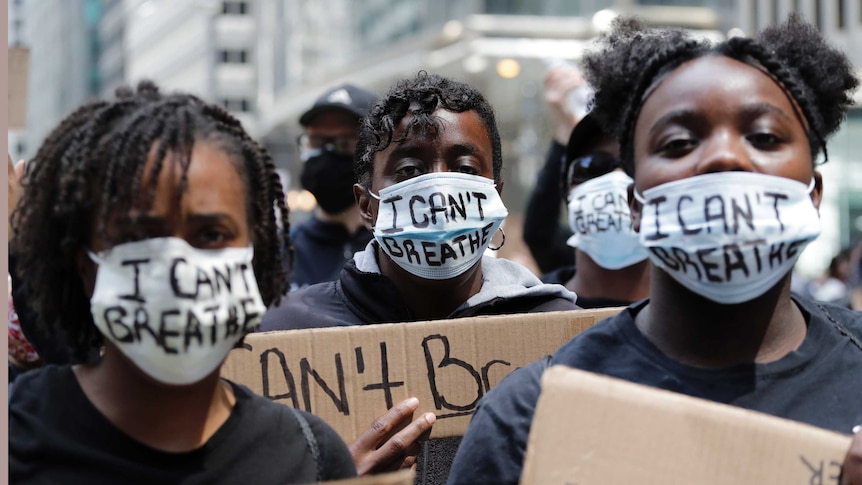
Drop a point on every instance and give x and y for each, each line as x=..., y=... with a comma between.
x=56, y=435
x=818, y=384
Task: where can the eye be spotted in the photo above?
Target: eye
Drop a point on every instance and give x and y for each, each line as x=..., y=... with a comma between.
x=408, y=171
x=764, y=141
x=211, y=237
x=678, y=147
x=468, y=169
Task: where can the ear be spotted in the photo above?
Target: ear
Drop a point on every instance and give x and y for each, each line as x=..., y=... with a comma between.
x=635, y=207
x=817, y=192
x=365, y=202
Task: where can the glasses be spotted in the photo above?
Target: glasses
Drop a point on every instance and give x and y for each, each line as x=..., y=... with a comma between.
x=590, y=166
x=341, y=145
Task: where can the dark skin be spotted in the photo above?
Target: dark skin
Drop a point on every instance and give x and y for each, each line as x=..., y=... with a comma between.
x=591, y=280
x=710, y=115
x=461, y=145
x=211, y=215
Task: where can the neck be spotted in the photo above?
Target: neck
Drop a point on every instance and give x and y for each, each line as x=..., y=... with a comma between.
x=349, y=218
x=699, y=332
x=168, y=418
x=593, y=281
x=431, y=299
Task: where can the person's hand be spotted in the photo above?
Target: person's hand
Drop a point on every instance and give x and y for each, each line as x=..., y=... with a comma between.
x=390, y=443
x=851, y=473
x=560, y=80
x=16, y=174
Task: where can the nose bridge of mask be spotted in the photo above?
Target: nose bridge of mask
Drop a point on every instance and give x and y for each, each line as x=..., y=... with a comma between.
x=729, y=236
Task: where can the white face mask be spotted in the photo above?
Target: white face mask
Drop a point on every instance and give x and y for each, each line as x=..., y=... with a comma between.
x=600, y=219
x=437, y=226
x=728, y=236
x=175, y=311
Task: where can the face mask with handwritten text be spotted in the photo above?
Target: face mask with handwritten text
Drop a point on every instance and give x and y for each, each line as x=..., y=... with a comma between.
x=437, y=226
x=174, y=310
x=728, y=236
x=601, y=222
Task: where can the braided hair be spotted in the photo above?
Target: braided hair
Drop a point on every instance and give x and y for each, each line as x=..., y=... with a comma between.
x=92, y=166
x=421, y=96
x=632, y=60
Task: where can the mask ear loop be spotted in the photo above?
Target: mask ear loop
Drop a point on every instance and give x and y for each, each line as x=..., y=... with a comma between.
x=502, y=243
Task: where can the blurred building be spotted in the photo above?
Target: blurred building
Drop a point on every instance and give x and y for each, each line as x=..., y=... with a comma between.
x=206, y=47
x=502, y=47
x=61, y=37
x=267, y=60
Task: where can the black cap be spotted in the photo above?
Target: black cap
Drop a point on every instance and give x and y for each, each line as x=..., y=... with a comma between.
x=346, y=97
x=586, y=134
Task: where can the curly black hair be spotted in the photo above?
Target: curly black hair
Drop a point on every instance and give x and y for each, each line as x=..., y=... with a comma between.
x=91, y=167
x=632, y=60
x=421, y=95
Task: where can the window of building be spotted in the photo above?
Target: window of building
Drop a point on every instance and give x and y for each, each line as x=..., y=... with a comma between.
x=234, y=8
x=241, y=105
x=233, y=56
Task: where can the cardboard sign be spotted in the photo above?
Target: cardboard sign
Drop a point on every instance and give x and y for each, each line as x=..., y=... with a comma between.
x=592, y=429
x=19, y=72
x=349, y=376
x=401, y=477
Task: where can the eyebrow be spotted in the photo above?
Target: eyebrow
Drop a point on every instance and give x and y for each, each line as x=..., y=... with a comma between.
x=688, y=116
x=752, y=110
x=464, y=148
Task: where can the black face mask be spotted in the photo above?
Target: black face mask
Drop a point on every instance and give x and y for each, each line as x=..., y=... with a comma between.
x=329, y=177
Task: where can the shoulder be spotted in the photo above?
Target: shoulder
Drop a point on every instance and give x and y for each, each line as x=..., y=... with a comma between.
x=35, y=387
x=314, y=306
x=602, y=341
x=335, y=459
x=279, y=432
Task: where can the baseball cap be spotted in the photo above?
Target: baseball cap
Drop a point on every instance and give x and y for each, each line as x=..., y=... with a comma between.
x=346, y=97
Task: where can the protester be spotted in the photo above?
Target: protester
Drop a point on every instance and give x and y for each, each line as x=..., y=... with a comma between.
x=148, y=232
x=610, y=264
x=428, y=166
x=725, y=199
x=544, y=234
x=328, y=239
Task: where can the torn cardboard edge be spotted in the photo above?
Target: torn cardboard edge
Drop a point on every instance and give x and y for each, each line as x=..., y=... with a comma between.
x=593, y=429
x=349, y=376
x=400, y=477
x=18, y=63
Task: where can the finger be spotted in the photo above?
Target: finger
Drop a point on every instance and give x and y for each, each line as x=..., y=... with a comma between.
x=11, y=166
x=386, y=425
x=405, y=443
x=400, y=449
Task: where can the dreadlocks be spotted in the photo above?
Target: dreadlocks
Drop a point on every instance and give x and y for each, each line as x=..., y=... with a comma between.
x=632, y=60
x=92, y=167
x=420, y=97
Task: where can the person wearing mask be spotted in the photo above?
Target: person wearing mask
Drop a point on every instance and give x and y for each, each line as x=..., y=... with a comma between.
x=334, y=232
x=611, y=267
x=721, y=140
x=149, y=234
x=428, y=166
